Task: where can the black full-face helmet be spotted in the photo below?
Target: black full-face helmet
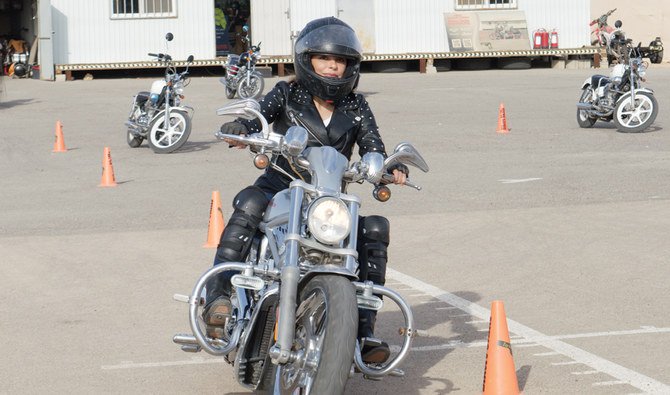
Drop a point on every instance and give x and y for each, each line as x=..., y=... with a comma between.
x=327, y=36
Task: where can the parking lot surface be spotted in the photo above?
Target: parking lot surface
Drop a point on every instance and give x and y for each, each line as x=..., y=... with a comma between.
x=567, y=226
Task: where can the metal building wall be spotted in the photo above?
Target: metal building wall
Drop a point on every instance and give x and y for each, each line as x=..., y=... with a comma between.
x=412, y=26
x=84, y=32
x=569, y=17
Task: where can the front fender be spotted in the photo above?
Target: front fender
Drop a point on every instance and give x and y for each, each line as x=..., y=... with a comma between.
x=186, y=109
x=586, y=83
x=627, y=95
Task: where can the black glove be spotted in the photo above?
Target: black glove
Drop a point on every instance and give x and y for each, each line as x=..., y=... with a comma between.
x=234, y=128
x=398, y=166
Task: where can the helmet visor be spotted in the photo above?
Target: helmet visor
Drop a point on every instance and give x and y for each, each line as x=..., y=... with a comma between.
x=331, y=39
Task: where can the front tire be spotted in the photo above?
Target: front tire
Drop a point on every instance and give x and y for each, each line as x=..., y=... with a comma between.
x=230, y=93
x=253, y=88
x=325, y=334
x=164, y=140
x=635, y=117
x=583, y=118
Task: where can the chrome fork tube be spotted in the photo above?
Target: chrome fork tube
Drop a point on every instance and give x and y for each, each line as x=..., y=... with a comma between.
x=351, y=263
x=290, y=275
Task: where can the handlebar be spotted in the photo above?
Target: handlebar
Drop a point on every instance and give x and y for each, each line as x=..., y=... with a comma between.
x=388, y=179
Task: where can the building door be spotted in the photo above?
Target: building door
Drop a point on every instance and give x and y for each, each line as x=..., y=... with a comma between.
x=45, y=45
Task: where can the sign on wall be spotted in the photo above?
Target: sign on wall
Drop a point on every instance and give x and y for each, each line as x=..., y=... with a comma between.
x=486, y=30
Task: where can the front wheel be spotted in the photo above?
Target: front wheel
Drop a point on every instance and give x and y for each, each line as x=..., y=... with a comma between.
x=656, y=57
x=251, y=89
x=325, y=339
x=163, y=138
x=230, y=93
x=635, y=117
x=583, y=118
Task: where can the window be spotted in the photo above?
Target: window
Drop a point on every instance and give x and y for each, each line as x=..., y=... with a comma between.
x=462, y=5
x=128, y=9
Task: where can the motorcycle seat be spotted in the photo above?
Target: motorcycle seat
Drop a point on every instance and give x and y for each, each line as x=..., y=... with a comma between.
x=599, y=80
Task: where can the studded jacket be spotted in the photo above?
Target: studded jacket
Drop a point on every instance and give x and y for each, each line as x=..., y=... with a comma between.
x=288, y=104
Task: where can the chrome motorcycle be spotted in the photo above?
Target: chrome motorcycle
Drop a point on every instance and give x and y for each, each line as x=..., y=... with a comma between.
x=158, y=115
x=621, y=97
x=241, y=75
x=295, y=306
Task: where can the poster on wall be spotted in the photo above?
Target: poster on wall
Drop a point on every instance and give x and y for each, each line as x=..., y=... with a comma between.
x=487, y=31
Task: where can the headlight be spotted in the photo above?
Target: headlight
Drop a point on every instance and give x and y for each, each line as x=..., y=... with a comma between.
x=329, y=220
x=179, y=90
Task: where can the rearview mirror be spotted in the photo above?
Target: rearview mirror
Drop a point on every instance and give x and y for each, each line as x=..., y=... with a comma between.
x=618, y=24
x=405, y=153
x=169, y=36
x=190, y=58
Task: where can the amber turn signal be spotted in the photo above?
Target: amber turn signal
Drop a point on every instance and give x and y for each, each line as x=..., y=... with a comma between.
x=261, y=161
x=382, y=193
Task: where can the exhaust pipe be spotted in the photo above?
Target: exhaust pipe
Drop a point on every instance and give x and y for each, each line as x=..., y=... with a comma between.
x=585, y=106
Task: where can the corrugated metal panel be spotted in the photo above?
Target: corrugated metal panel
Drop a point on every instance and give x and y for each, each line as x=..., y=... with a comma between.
x=84, y=32
x=569, y=17
x=411, y=26
x=303, y=11
x=270, y=24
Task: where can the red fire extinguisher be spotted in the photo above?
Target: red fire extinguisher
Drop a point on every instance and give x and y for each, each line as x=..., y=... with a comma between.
x=554, y=39
x=541, y=39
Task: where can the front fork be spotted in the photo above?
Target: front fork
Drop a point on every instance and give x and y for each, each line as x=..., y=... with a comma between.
x=280, y=352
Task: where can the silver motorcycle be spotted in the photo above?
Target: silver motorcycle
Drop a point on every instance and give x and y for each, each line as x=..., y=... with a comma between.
x=158, y=115
x=621, y=97
x=295, y=305
x=241, y=75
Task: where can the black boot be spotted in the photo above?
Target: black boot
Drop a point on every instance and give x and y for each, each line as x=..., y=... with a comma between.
x=373, y=350
x=373, y=236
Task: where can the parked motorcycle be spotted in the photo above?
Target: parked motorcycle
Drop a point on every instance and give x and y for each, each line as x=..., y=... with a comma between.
x=295, y=307
x=613, y=40
x=241, y=75
x=620, y=98
x=158, y=115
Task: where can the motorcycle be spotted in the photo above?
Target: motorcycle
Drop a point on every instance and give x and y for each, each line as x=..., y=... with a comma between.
x=158, y=115
x=612, y=38
x=293, y=326
x=621, y=97
x=241, y=75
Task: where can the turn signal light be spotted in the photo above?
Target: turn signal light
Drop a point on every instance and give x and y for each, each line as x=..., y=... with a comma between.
x=382, y=193
x=261, y=161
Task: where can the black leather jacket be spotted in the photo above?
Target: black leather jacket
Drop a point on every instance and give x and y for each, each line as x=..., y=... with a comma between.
x=351, y=122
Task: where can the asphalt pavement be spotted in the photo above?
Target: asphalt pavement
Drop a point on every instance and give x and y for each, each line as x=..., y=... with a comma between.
x=567, y=226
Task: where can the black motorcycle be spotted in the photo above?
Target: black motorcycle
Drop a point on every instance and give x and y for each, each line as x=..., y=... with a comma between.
x=241, y=75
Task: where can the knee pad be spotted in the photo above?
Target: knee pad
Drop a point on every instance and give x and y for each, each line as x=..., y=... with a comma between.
x=251, y=201
x=374, y=228
x=372, y=248
x=238, y=234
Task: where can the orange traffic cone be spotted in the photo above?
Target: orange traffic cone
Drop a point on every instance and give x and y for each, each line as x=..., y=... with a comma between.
x=59, y=144
x=216, y=224
x=502, y=120
x=108, y=179
x=499, y=373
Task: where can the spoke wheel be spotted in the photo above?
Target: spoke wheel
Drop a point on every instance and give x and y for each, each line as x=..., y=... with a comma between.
x=325, y=338
x=168, y=138
x=636, y=117
x=252, y=89
x=583, y=118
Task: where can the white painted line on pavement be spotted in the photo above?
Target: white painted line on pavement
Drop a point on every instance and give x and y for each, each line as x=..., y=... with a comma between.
x=619, y=372
x=516, y=181
x=586, y=372
x=546, y=354
x=608, y=383
x=564, y=363
x=131, y=365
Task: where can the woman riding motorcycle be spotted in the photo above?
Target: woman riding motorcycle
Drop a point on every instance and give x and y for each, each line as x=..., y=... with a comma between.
x=321, y=99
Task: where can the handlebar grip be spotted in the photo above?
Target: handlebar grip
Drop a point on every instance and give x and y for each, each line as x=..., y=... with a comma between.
x=154, y=54
x=389, y=180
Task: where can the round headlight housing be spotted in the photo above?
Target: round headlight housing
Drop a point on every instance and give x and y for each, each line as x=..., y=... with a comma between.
x=329, y=220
